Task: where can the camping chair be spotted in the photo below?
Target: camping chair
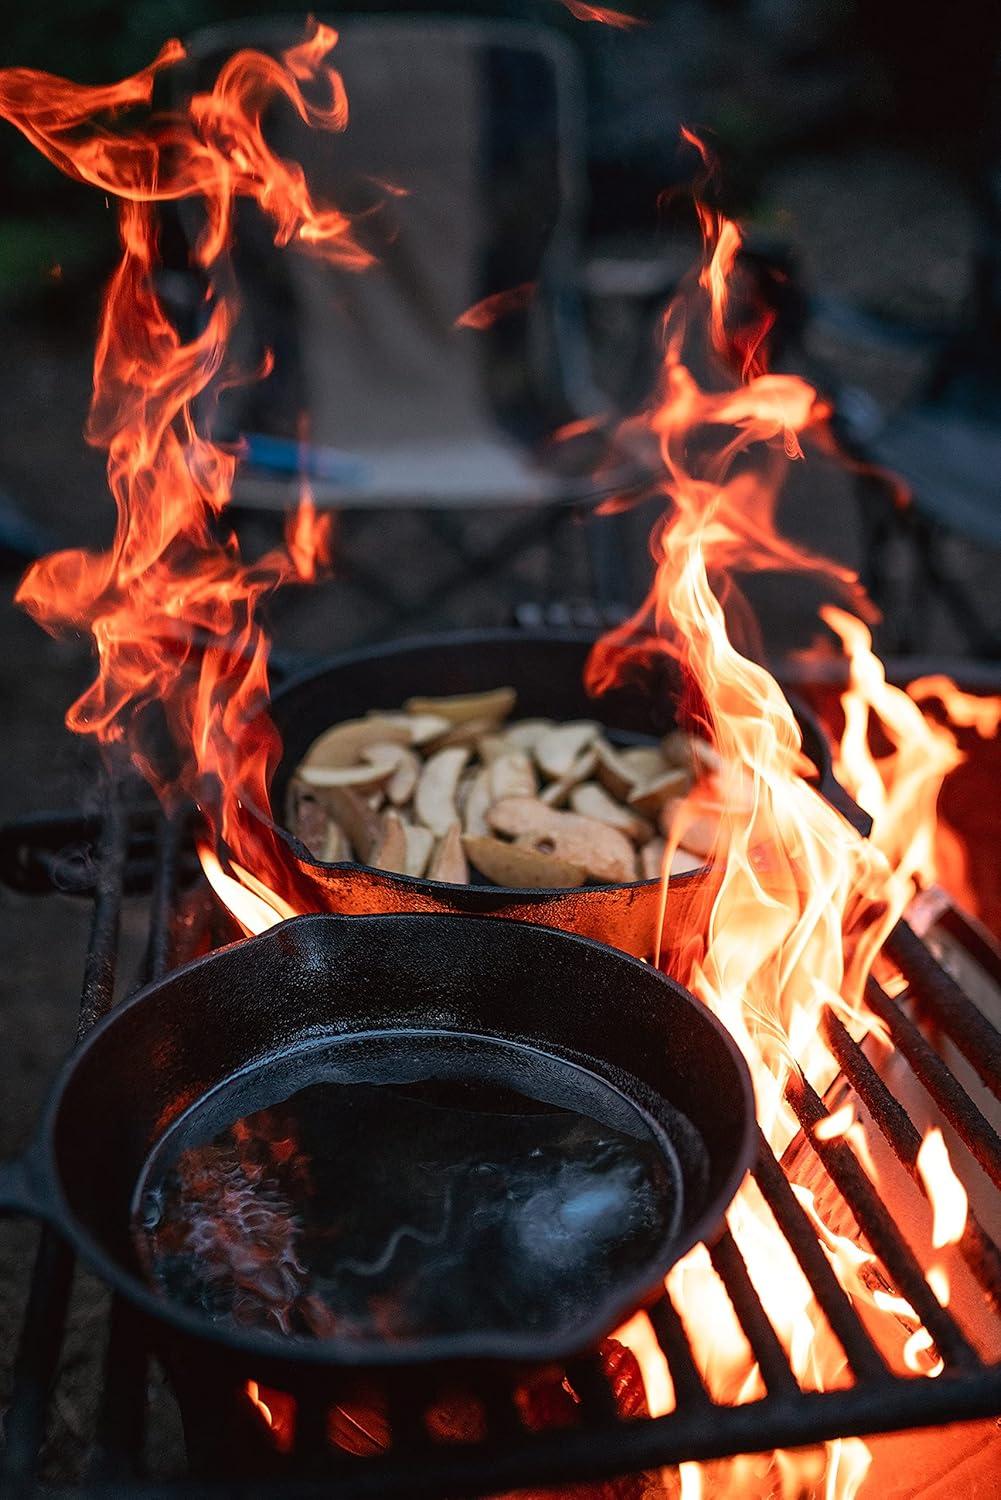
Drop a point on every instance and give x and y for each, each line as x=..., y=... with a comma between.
x=481, y=124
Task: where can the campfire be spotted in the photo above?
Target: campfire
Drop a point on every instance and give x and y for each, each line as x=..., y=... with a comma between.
x=747, y=885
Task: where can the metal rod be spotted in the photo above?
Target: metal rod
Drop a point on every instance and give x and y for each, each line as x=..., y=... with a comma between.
x=98, y=993
x=898, y=1130
x=976, y=1133
x=671, y=1335
x=576, y=1455
x=877, y=1225
x=765, y=1343
x=36, y=1359
x=938, y=993
x=118, y=1446
x=159, y=951
x=862, y=1354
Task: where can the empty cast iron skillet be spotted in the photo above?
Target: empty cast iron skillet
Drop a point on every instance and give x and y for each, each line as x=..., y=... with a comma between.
x=546, y=669
x=595, y=1030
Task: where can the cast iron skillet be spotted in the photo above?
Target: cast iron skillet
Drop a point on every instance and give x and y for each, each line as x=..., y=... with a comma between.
x=546, y=669
x=320, y=980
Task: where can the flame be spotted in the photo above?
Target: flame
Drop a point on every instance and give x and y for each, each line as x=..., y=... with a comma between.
x=602, y=15
x=802, y=903
x=946, y=1193
x=485, y=313
x=171, y=604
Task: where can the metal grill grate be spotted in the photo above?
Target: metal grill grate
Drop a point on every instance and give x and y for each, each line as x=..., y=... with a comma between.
x=135, y=848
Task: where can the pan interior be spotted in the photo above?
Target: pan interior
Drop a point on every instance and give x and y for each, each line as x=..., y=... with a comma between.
x=401, y=1185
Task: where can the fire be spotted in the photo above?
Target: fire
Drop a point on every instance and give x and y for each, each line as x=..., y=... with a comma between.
x=803, y=903
x=946, y=1193
x=171, y=605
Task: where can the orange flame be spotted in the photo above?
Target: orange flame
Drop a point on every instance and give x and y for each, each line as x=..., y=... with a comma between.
x=485, y=313
x=600, y=13
x=171, y=605
x=946, y=1193
x=802, y=903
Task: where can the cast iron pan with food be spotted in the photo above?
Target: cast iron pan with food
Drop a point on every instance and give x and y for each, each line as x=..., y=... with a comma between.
x=546, y=670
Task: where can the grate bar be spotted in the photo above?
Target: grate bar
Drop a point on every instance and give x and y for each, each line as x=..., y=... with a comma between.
x=577, y=1455
x=37, y=1357
x=765, y=1343
x=121, y=1419
x=672, y=1336
x=888, y=1244
x=863, y=1356
x=898, y=1130
x=976, y=1133
x=102, y=950
x=938, y=993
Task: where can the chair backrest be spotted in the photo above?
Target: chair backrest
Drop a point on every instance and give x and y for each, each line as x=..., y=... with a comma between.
x=480, y=124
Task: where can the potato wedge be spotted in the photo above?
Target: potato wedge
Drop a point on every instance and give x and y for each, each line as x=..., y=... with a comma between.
x=449, y=859
x=592, y=801
x=495, y=704
x=508, y=865
x=557, y=792
x=361, y=824
x=612, y=772
x=700, y=826
x=390, y=852
x=557, y=749
x=343, y=744
x=434, y=799
x=512, y=775
x=604, y=852
x=363, y=779
x=643, y=763
x=420, y=842
x=478, y=799
x=404, y=769
x=649, y=797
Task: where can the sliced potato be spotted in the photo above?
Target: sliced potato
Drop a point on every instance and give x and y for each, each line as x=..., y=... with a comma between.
x=612, y=772
x=449, y=859
x=592, y=801
x=495, y=704
x=682, y=862
x=512, y=775
x=390, y=852
x=478, y=799
x=361, y=824
x=364, y=779
x=652, y=859
x=420, y=842
x=420, y=729
x=557, y=749
x=343, y=744
x=404, y=769
x=649, y=797
x=700, y=826
x=643, y=763
x=434, y=799
x=525, y=734
x=509, y=865
x=466, y=732
x=338, y=847
x=604, y=852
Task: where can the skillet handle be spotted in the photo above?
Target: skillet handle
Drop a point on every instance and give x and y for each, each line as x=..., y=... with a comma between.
x=23, y=1188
